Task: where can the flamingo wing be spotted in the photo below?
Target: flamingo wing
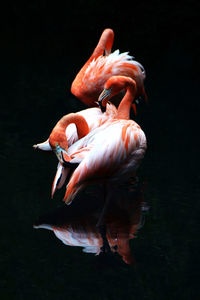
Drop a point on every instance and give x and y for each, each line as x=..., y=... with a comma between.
x=102, y=68
x=116, y=150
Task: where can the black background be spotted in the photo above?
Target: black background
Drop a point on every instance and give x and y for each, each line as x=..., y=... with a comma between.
x=43, y=46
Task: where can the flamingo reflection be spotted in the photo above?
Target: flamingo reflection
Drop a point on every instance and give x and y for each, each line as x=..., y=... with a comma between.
x=75, y=225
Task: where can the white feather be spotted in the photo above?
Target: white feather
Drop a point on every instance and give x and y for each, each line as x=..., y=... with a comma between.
x=100, y=67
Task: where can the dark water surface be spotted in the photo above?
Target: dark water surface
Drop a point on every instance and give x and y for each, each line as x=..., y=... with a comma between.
x=37, y=71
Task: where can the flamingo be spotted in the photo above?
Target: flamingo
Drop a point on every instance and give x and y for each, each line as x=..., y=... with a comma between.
x=111, y=152
x=89, y=82
x=70, y=128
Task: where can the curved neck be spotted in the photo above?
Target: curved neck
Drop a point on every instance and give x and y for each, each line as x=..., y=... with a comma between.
x=123, y=111
x=58, y=133
x=105, y=44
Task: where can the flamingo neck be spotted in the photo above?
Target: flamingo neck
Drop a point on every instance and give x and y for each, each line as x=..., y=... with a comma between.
x=58, y=135
x=105, y=44
x=125, y=104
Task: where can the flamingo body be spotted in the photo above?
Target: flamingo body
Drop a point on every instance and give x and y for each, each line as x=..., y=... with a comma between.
x=112, y=152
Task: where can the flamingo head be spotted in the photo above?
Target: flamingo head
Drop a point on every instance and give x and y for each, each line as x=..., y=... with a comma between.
x=58, y=138
x=113, y=86
x=61, y=154
x=58, y=143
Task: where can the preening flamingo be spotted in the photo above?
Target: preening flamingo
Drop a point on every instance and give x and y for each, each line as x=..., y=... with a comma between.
x=114, y=150
x=70, y=128
x=94, y=118
x=89, y=82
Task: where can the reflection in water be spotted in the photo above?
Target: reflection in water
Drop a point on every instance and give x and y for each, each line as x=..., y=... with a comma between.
x=75, y=225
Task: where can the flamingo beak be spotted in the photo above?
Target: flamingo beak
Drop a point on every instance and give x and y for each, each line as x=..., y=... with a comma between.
x=103, y=99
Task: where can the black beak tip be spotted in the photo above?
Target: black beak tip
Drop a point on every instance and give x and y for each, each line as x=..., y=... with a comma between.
x=103, y=108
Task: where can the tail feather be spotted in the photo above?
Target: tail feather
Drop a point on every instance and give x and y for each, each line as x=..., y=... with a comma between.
x=43, y=226
x=56, y=179
x=75, y=185
x=45, y=146
x=59, y=180
x=65, y=173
